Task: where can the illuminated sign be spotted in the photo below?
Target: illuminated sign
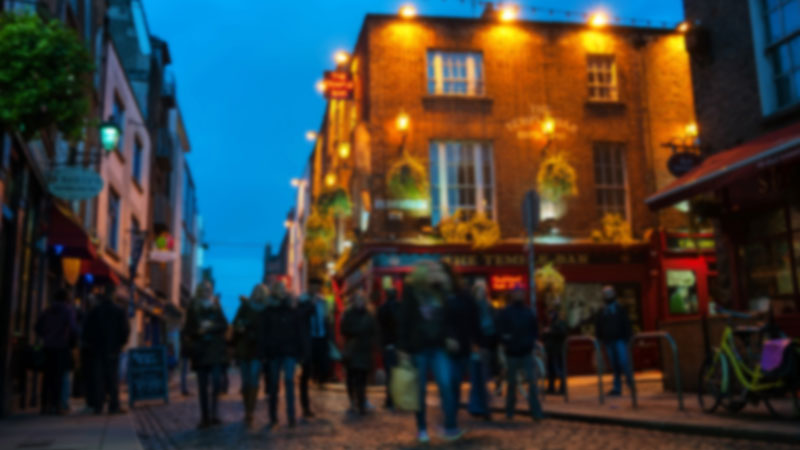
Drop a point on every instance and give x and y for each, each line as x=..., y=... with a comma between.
x=507, y=282
x=338, y=85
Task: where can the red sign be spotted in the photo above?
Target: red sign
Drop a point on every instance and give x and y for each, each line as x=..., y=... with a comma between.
x=338, y=85
x=507, y=282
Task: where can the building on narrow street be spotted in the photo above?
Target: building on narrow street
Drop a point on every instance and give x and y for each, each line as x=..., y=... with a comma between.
x=436, y=127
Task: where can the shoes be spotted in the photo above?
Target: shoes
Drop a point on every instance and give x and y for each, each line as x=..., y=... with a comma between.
x=308, y=414
x=423, y=438
x=452, y=435
x=613, y=393
x=292, y=423
x=203, y=425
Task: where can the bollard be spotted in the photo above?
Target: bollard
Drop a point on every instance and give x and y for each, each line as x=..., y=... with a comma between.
x=675, y=361
x=598, y=355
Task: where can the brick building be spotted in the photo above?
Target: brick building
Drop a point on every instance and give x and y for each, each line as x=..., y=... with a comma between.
x=477, y=105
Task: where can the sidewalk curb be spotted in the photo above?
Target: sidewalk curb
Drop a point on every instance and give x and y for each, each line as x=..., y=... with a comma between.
x=702, y=430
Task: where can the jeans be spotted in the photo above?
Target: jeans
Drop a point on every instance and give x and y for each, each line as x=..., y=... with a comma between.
x=515, y=364
x=65, y=391
x=106, y=377
x=276, y=365
x=357, y=388
x=209, y=377
x=55, y=366
x=479, y=393
x=459, y=367
x=251, y=374
x=437, y=362
x=555, y=368
x=184, y=375
x=618, y=357
x=389, y=362
x=305, y=376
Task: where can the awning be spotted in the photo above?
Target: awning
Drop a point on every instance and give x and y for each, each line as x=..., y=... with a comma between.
x=719, y=170
x=100, y=271
x=67, y=234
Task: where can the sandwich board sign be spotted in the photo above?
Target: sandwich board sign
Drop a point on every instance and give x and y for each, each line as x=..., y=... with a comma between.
x=147, y=374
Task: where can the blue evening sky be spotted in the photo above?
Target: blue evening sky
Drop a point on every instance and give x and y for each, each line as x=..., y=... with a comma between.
x=246, y=71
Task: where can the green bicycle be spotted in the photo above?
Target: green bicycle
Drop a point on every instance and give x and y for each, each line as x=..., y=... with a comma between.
x=732, y=378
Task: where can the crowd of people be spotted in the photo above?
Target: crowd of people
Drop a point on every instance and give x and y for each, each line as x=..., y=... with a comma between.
x=447, y=330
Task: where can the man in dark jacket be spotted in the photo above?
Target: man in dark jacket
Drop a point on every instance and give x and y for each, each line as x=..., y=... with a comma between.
x=463, y=328
x=358, y=328
x=518, y=332
x=554, y=338
x=58, y=329
x=613, y=330
x=105, y=334
x=387, y=322
x=281, y=345
x=313, y=310
x=205, y=330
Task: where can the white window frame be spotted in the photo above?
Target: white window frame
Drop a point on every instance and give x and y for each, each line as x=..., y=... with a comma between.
x=616, y=146
x=470, y=63
x=595, y=70
x=439, y=148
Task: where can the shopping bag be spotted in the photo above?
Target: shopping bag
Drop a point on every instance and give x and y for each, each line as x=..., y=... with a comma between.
x=405, y=387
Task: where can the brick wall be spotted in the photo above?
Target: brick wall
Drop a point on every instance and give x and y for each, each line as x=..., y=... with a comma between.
x=528, y=65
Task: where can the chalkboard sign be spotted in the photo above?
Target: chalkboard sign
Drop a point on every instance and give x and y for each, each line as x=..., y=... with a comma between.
x=147, y=374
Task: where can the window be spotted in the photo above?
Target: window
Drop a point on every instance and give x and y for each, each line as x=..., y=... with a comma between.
x=137, y=160
x=462, y=178
x=455, y=73
x=118, y=116
x=610, y=178
x=602, y=78
x=112, y=231
x=766, y=254
x=782, y=21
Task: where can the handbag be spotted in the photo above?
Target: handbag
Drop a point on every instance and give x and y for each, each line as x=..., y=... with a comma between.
x=404, y=387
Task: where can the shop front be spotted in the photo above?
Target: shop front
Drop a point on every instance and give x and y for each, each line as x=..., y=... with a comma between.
x=585, y=267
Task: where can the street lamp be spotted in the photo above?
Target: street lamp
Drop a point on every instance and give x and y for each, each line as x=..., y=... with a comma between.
x=599, y=19
x=341, y=57
x=330, y=179
x=408, y=11
x=311, y=136
x=402, y=122
x=509, y=13
x=344, y=150
x=683, y=27
x=110, y=134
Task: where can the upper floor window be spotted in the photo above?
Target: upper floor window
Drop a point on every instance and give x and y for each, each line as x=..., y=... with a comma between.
x=462, y=178
x=112, y=232
x=782, y=20
x=455, y=73
x=602, y=78
x=137, y=160
x=118, y=116
x=610, y=178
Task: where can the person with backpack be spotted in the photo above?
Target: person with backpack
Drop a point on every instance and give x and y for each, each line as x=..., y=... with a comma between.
x=518, y=331
x=57, y=327
x=246, y=332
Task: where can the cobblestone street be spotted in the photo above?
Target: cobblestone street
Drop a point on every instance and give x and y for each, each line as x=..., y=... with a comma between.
x=173, y=427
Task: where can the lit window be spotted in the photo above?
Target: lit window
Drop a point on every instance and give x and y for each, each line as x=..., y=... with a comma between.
x=455, y=73
x=610, y=179
x=602, y=78
x=113, y=221
x=137, y=161
x=462, y=178
x=782, y=19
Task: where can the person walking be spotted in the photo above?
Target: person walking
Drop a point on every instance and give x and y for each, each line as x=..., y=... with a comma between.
x=205, y=333
x=482, y=359
x=281, y=345
x=105, y=334
x=518, y=332
x=613, y=330
x=422, y=340
x=462, y=322
x=358, y=328
x=313, y=311
x=554, y=338
x=387, y=322
x=247, y=329
x=58, y=329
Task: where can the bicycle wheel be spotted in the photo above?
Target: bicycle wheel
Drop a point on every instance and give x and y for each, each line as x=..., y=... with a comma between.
x=710, y=382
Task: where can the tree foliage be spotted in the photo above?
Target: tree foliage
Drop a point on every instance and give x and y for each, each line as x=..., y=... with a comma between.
x=44, y=76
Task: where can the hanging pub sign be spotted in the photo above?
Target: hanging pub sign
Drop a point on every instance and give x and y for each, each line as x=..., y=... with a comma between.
x=74, y=183
x=163, y=250
x=681, y=163
x=338, y=85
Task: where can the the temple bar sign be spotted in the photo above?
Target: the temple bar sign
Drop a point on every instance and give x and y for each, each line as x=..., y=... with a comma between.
x=507, y=259
x=338, y=85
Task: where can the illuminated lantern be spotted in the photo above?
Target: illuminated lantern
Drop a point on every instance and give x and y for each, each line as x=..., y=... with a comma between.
x=110, y=134
x=71, y=268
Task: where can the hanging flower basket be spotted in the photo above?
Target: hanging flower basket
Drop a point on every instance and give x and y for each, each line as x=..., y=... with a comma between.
x=550, y=280
x=316, y=250
x=335, y=202
x=556, y=179
x=455, y=228
x=615, y=230
x=479, y=230
x=485, y=231
x=320, y=226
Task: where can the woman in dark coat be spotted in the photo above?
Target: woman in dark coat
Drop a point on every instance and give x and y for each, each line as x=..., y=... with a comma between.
x=359, y=329
x=247, y=329
x=205, y=334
